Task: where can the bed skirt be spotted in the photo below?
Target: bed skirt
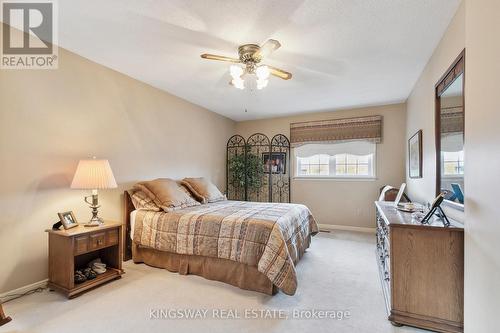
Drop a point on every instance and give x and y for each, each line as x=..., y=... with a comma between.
x=227, y=271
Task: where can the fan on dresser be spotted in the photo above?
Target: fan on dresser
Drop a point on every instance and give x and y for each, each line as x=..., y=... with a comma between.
x=250, y=56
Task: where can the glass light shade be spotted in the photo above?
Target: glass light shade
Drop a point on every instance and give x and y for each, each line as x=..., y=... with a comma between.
x=238, y=83
x=93, y=175
x=262, y=72
x=262, y=83
x=235, y=71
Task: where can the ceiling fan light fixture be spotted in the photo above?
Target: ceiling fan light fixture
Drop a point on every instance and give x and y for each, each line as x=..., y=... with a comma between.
x=262, y=83
x=238, y=83
x=262, y=72
x=235, y=71
x=248, y=67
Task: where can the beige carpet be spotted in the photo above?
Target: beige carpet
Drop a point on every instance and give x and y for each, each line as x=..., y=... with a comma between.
x=337, y=273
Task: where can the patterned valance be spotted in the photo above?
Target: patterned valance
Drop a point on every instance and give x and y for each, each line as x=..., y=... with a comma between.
x=452, y=120
x=335, y=130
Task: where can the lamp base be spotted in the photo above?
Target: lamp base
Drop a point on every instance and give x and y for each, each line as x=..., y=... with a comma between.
x=95, y=222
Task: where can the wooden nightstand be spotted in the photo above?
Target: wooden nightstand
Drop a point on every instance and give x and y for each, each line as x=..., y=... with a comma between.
x=74, y=248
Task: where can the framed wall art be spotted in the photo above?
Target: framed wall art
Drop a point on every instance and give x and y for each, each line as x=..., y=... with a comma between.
x=415, y=155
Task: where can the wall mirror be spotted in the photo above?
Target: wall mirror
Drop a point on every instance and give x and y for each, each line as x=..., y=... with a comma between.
x=450, y=134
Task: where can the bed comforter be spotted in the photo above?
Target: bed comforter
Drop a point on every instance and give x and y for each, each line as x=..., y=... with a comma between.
x=269, y=236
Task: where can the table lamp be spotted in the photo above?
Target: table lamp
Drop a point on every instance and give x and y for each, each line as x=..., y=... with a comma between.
x=93, y=175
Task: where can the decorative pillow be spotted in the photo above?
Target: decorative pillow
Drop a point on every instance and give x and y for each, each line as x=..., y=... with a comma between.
x=167, y=194
x=203, y=190
x=141, y=201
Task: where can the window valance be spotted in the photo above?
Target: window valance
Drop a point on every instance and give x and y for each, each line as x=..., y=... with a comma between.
x=359, y=148
x=336, y=130
x=452, y=120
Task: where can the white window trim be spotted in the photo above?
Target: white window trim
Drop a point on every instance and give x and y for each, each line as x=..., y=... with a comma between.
x=337, y=178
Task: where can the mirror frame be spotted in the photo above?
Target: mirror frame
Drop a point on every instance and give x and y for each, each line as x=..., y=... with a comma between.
x=456, y=69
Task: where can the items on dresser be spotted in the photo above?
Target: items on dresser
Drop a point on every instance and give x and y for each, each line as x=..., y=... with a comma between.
x=422, y=270
x=436, y=207
x=71, y=251
x=410, y=207
x=399, y=196
x=389, y=193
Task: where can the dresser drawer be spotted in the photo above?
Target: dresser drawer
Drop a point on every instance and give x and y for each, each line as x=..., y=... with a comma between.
x=112, y=237
x=81, y=244
x=97, y=240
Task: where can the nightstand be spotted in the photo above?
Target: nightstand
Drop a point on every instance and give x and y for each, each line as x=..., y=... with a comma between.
x=74, y=248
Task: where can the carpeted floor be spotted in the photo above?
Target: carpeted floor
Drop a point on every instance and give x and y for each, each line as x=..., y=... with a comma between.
x=338, y=273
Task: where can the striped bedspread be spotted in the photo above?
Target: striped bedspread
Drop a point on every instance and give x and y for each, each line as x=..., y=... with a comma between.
x=269, y=236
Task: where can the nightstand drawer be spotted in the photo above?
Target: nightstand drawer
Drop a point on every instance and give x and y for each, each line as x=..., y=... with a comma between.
x=112, y=237
x=81, y=244
x=97, y=240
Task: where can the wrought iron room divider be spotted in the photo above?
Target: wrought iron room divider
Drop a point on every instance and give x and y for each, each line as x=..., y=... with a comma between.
x=258, y=169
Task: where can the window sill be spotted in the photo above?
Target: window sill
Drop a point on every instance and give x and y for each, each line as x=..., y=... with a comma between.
x=337, y=179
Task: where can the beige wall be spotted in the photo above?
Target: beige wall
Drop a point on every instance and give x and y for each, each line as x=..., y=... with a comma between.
x=420, y=109
x=347, y=203
x=482, y=140
x=49, y=119
x=474, y=27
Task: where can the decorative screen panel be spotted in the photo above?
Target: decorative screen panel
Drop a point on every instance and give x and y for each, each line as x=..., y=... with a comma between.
x=258, y=179
x=280, y=169
x=235, y=162
x=258, y=169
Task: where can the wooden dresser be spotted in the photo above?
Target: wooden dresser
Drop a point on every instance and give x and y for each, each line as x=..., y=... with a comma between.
x=422, y=270
x=74, y=248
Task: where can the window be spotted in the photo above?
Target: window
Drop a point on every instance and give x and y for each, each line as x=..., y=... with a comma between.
x=337, y=160
x=453, y=163
x=352, y=165
x=316, y=165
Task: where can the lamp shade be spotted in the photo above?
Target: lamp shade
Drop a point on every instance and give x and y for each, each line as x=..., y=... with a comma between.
x=93, y=175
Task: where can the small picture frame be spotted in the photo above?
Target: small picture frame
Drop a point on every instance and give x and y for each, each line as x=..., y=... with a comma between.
x=415, y=155
x=68, y=220
x=274, y=162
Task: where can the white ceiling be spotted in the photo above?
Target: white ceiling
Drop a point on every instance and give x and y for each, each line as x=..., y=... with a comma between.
x=342, y=53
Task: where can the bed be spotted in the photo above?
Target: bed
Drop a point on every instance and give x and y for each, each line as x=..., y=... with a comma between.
x=253, y=246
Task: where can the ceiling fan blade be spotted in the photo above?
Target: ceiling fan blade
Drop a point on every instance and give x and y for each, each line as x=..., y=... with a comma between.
x=280, y=73
x=220, y=58
x=267, y=48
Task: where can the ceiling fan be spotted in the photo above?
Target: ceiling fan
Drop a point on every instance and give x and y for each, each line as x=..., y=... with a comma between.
x=250, y=55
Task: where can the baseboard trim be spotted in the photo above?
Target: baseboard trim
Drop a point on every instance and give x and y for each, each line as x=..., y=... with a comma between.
x=8, y=295
x=331, y=227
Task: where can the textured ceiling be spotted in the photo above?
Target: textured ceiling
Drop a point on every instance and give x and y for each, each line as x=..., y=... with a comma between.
x=342, y=53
